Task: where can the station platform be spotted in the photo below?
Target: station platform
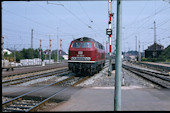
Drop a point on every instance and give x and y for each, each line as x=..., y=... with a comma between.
x=102, y=99
x=133, y=98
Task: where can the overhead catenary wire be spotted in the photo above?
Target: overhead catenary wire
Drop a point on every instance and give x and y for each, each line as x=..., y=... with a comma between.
x=148, y=17
x=49, y=12
x=88, y=18
x=44, y=25
x=76, y=17
x=47, y=25
x=85, y=12
x=139, y=14
x=149, y=32
x=79, y=19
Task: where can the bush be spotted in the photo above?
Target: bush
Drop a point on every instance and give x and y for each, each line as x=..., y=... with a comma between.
x=154, y=59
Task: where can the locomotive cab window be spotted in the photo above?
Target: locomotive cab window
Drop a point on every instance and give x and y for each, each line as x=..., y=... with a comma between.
x=96, y=45
x=75, y=45
x=86, y=45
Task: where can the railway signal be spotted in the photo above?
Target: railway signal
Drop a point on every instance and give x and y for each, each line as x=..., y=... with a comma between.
x=109, y=32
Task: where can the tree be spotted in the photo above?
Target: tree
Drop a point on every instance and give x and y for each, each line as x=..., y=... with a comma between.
x=166, y=53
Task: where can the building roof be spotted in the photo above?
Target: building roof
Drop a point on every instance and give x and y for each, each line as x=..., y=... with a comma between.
x=7, y=49
x=62, y=52
x=158, y=47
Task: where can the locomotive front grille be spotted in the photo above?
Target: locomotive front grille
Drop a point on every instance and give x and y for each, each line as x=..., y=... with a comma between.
x=81, y=58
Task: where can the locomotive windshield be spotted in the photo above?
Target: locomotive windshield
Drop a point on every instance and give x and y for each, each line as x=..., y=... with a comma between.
x=75, y=45
x=86, y=45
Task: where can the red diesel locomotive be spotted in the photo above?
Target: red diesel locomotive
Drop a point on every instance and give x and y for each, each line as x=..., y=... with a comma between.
x=86, y=55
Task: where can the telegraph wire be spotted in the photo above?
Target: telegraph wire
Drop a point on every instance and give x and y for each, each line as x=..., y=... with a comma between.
x=56, y=17
x=28, y=19
x=158, y=10
x=146, y=19
x=134, y=21
x=85, y=12
x=79, y=19
x=76, y=17
x=88, y=17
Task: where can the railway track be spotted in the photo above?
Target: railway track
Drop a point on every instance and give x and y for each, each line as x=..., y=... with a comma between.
x=27, y=70
x=158, y=78
x=24, y=78
x=24, y=103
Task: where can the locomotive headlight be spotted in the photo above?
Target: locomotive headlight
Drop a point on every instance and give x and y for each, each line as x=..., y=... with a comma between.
x=88, y=58
x=73, y=58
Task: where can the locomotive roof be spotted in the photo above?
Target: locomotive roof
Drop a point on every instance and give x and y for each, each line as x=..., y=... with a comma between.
x=84, y=39
x=88, y=39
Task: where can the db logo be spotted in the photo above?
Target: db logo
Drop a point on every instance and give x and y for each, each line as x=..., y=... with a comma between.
x=80, y=52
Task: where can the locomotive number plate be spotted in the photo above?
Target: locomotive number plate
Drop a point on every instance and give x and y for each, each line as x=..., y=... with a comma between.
x=80, y=52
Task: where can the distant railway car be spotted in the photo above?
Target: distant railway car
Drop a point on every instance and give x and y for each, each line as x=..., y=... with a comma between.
x=86, y=56
x=6, y=65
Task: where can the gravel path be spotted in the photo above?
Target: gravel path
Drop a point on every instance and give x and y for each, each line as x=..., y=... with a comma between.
x=103, y=80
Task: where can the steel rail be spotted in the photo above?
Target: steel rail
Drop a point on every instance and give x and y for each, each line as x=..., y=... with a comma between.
x=34, y=108
x=139, y=72
x=5, y=81
x=16, y=74
x=20, y=97
x=164, y=77
x=31, y=77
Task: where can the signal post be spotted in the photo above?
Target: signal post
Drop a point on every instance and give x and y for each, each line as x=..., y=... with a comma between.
x=109, y=32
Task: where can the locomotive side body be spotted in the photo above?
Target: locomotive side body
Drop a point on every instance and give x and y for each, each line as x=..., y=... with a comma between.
x=86, y=55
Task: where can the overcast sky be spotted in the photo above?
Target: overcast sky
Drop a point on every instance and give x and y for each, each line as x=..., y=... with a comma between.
x=74, y=19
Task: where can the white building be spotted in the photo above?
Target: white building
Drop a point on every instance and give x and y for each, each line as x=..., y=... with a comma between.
x=6, y=51
x=65, y=57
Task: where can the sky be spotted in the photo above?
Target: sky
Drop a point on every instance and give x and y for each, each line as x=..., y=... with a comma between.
x=68, y=20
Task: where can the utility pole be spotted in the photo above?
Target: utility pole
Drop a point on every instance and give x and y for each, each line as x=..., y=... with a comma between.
x=143, y=51
x=155, y=44
x=32, y=43
x=60, y=46
x=73, y=37
x=40, y=49
x=139, y=59
x=118, y=65
x=2, y=43
x=136, y=43
x=50, y=52
x=136, y=46
x=14, y=54
x=110, y=35
x=57, y=47
x=154, y=32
